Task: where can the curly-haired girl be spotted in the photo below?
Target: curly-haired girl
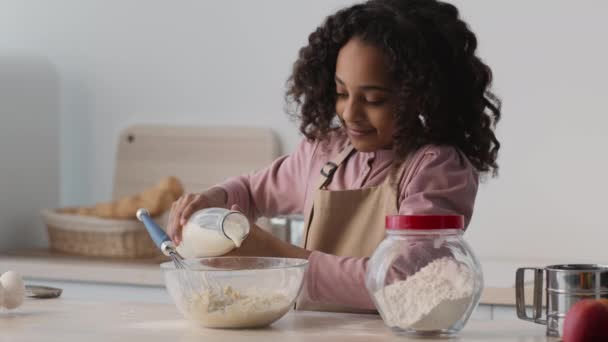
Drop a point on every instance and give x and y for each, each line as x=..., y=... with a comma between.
x=398, y=118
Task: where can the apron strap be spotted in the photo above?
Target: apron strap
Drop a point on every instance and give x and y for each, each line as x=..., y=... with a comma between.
x=328, y=170
x=327, y=173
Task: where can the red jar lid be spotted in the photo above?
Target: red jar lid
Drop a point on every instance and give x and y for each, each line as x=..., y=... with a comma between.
x=396, y=222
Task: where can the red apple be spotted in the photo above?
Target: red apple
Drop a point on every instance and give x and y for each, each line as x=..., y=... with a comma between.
x=586, y=321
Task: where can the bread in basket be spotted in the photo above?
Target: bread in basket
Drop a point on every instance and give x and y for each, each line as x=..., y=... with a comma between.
x=110, y=229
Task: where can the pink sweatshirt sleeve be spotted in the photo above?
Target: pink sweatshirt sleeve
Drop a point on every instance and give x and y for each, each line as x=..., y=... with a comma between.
x=442, y=182
x=279, y=189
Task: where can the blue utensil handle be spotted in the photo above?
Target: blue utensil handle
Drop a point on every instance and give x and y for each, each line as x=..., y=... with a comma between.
x=157, y=234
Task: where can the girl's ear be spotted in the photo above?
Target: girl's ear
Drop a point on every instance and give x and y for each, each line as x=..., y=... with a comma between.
x=337, y=121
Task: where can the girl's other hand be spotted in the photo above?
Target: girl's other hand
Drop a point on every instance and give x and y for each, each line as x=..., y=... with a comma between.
x=261, y=243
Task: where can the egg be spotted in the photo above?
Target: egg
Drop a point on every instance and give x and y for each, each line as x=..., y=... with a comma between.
x=14, y=289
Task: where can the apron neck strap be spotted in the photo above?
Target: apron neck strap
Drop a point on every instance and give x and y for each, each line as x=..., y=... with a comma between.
x=328, y=170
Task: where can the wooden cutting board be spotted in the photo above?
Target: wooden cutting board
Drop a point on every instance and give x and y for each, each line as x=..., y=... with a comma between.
x=200, y=156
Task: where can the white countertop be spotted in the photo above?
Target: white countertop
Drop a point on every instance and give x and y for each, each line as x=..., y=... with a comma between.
x=499, y=274
x=66, y=320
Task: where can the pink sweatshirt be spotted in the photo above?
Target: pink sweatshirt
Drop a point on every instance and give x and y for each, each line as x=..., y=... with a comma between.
x=443, y=182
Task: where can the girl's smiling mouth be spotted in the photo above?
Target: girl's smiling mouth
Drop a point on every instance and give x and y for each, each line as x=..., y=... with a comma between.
x=359, y=132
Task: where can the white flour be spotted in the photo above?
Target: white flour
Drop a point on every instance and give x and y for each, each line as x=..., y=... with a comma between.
x=434, y=298
x=232, y=309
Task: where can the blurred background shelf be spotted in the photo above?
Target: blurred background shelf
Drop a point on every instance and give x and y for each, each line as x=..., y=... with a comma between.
x=47, y=264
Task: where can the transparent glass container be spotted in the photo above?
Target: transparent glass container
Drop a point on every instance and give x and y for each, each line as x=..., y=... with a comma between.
x=235, y=292
x=423, y=277
x=213, y=232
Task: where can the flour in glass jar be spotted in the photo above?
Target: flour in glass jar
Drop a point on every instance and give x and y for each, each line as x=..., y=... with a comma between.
x=434, y=298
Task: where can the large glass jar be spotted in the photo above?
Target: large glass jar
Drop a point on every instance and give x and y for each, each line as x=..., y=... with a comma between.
x=423, y=277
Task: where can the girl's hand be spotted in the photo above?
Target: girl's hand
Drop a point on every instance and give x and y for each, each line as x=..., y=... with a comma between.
x=263, y=244
x=186, y=205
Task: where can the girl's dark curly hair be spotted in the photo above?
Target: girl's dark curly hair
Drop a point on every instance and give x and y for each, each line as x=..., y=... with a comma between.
x=442, y=86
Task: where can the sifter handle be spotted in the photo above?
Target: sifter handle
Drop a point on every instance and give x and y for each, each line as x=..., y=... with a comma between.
x=520, y=298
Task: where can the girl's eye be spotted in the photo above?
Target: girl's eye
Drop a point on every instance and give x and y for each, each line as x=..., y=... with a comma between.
x=341, y=95
x=375, y=101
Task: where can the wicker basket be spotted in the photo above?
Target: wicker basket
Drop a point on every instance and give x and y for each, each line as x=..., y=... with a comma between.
x=92, y=236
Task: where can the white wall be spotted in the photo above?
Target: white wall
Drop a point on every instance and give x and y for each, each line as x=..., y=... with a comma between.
x=216, y=62
x=29, y=148
x=549, y=59
x=185, y=62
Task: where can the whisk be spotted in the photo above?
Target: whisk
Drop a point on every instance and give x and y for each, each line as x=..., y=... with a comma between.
x=188, y=276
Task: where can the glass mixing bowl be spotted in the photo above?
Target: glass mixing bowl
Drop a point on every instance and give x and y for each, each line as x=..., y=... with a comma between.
x=235, y=292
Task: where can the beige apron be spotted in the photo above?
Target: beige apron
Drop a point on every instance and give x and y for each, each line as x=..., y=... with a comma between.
x=346, y=222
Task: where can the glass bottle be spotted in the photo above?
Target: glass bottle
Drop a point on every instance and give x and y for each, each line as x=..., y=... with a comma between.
x=213, y=232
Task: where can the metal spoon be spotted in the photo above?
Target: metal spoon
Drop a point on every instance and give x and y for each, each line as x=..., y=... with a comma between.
x=36, y=291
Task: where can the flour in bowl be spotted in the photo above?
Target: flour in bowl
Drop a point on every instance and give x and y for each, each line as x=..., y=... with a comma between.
x=434, y=298
x=232, y=309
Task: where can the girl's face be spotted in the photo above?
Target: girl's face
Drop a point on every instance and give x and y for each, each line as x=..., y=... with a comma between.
x=365, y=101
